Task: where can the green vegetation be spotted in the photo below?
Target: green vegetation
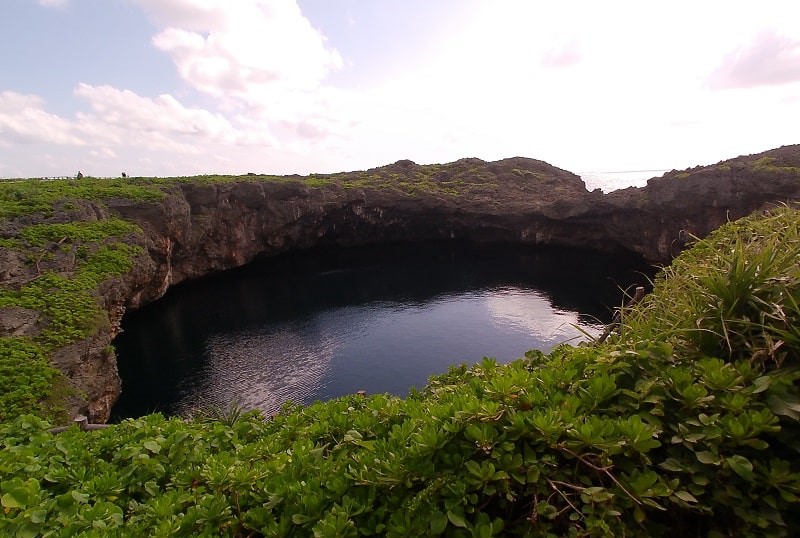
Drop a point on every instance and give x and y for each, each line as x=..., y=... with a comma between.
x=774, y=167
x=74, y=232
x=763, y=162
x=733, y=295
x=771, y=165
x=685, y=423
x=70, y=261
x=414, y=180
x=33, y=196
x=26, y=377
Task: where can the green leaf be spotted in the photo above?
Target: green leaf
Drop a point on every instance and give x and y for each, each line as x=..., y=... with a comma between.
x=761, y=384
x=352, y=435
x=456, y=519
x=741, y=466
x=438, y=523
x=758, y=444
x=151, y=487
x=474, y=468
x=671, y=464
x=300, y=519
x=597, y=494
x=152, y=446
x=28, y=530
x=685, y=496
x=80, y=497
x=708, y=458
x=783, y=407
x=10, y=501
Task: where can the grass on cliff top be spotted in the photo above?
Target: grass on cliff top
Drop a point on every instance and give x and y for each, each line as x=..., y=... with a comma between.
x=71, y=260
x=686, y=423
x=765, y=164
x=31, y=196
x=25, y=197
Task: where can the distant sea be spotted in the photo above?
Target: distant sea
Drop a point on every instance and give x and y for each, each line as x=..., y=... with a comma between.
x=612, y=181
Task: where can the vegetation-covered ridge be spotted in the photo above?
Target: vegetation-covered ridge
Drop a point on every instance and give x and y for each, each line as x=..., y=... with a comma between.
x=687, y=423
x=57, y=305
x=779, y=162
x=28, y=196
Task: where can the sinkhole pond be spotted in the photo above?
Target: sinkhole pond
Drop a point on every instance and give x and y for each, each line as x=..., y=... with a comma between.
x=323, y=323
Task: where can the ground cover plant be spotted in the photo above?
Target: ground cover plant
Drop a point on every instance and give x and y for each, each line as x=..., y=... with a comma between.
x=69, y=261
x=685, y=422
x=65, y=250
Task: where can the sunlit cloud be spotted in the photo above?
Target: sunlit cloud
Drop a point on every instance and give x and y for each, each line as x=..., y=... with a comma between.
x=264, y=64
x=164, y=114
x=238, y=50
x=769, y=59
x=586, y=86
x=23, y=120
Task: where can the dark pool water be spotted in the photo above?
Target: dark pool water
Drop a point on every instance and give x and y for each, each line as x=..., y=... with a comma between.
x=324, y=323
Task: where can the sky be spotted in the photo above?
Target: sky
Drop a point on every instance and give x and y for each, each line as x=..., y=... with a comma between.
x=185, y=87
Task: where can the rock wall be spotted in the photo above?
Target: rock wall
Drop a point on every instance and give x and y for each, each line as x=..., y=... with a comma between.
x=200, y=228
x=204, y=228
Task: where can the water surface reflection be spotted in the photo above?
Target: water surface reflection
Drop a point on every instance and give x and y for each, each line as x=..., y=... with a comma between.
x=321, y=324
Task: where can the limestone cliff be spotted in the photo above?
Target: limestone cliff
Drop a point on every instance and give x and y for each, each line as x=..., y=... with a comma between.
x=199, y=227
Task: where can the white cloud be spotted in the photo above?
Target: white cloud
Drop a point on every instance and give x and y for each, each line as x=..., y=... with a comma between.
x=262, y=62
x=120, y=123
x=163, y=115
x=243, y=49
x=634, y=95
x=769, y=59
x=584, y=85
x=24, y=120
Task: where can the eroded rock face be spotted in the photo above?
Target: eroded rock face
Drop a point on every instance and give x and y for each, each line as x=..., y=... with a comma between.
x=199, y=229
x=16, y=321
x=91, y=366
x=656, y=220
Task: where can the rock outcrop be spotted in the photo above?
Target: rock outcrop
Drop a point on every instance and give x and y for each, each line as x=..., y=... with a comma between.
x=205, y=227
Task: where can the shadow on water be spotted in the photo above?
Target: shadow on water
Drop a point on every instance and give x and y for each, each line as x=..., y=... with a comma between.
x=323, y=323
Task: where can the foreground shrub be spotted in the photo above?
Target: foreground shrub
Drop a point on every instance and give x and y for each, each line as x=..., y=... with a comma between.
x=734, y=295
x=685, y=424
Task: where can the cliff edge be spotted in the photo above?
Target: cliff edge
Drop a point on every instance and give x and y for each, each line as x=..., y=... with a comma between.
x=75, y=255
